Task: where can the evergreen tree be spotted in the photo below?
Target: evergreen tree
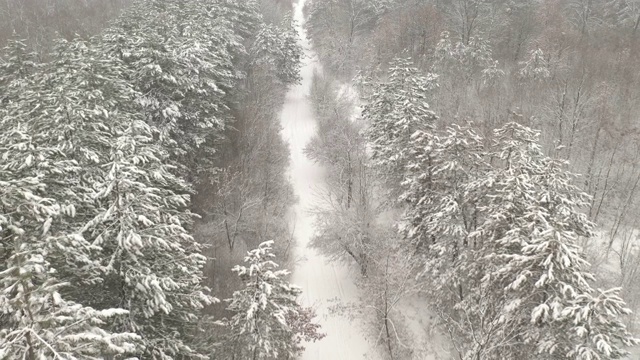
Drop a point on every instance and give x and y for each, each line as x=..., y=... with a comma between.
x=94, y=149
x=38, y=323
x=81, y=132
x=277, y=48
x=268, y=322
x=180, y=59
x=535, y=68
x=534, y=276
x=17, y=63
x=443, y=204
x=152, y=265
x=243, y=16
x=499, y=243
x=439, y=169
x=462, y=60
x=395, y=109
x=37, y=319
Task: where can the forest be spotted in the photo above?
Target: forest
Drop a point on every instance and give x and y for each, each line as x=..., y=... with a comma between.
x=319, y=179
x=491, y=154
x=141, y=161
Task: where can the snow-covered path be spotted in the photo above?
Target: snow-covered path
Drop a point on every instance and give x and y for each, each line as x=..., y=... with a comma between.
x=325, y=284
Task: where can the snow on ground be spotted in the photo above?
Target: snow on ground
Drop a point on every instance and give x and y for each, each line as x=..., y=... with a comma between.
x=605, y=264
x=325, y=284
x=420, y=328
x=330, y=286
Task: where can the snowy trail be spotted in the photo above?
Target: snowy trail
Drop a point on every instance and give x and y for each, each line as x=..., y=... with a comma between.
x=325, y=284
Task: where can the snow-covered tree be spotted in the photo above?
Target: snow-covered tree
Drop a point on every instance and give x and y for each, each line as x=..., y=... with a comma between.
x=395, y=109
x=492, y=74
x=440, y=167
x=123, y=235
x=462, y=60
x=186, y=59
x=37, y=161
x=346, y=234
x=625, y=13
x=89, y=152
x=339, y=30
x=268, y=321
x=243, y=16
x=179, y=57
x=277, y=48
x=390, y=281
x=535, y=68
x=338, y=144
x=140, y=219
x=17, y=63
x=346, y=210
x=499, y=236
x=37, y=319
x=443, y=208
x=142, y=226
x=37, y=322
x=535, y=281
x=443, y=205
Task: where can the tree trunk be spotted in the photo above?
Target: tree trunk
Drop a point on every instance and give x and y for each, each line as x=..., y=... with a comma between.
x=623, y=213
x=386, y=326
x=592, y=157
x=387, y=310
x=606, y=184
x=30, y=354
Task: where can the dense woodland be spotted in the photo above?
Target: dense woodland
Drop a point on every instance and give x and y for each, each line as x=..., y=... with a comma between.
x=141, y=161
x=488, y=165
x=480, y=156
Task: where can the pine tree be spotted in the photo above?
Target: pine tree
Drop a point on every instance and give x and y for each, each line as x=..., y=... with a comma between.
x=268, y=322
x=539, y=294
x=16, y=65
x=180, y=58
x=37, y=320
x=462, y=60
x=38, y=213
x=535, y=68
x=277, y=49
x=243, y=16
x=38, y=323
x=148, y=254
x=439, y=169
x=124, y=234
x=499, y=234
x=395, y=109
x=90, y=151
x=443, y=205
